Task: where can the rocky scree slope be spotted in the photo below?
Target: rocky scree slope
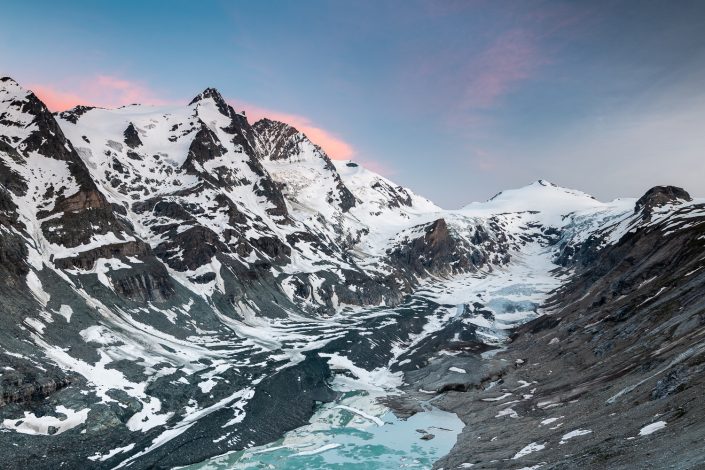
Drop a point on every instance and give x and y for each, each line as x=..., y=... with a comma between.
x=611, y=376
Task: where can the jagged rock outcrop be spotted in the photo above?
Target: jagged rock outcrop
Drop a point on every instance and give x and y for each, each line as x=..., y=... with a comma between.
x=86, y=259
x=213, y=94
x=73, y=114
x=433, y=250
x=278, y=141
x=204, y=147
x=16, y=387
x=659, y=196
x=132, y=137
x=439, y=251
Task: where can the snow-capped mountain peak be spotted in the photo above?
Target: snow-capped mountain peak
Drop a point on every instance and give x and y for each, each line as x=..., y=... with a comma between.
x=551, y=201
x=215, y=96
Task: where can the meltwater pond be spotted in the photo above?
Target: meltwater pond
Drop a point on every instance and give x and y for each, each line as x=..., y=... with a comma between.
x=351, y=434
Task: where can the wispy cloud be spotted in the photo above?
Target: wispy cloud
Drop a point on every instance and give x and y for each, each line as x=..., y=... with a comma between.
x=101, y=90
x=334, y=146
x=517, y=54
x=473, y=83
x=57, y=100
x=511, y=59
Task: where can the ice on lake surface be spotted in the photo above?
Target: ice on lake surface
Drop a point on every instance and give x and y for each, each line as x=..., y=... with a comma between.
x=338, y=438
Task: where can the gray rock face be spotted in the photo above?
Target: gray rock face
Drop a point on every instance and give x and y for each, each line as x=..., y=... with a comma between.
x=86, y=260
x=24, y=386
x=280, y=141
x=132, y=137
x=212, y=93
x=73, y=114
x=204, y=147
x=442, y=252
x=659, y=196
x=13, y=251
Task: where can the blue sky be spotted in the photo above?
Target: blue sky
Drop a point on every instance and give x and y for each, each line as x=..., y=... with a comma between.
x=455, y=99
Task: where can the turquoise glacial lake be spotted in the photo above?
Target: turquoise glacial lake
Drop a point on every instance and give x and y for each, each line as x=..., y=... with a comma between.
x=354, y=433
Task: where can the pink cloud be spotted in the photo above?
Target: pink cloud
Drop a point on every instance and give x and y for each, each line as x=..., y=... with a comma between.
x=511, y=59
x=470, y=82
x=333, y=145
x=57, y=100
x=101, y=90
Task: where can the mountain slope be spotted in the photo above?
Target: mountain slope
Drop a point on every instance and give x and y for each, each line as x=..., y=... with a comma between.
x=619, y=354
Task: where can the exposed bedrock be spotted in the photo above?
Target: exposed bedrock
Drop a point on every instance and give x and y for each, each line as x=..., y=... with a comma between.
x=441, y=251
x=659, y=196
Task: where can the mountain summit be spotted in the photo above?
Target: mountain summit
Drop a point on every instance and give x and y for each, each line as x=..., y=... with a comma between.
x=209, y=92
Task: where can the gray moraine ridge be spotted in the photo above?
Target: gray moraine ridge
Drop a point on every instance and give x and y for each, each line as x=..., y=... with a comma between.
x=179, y=286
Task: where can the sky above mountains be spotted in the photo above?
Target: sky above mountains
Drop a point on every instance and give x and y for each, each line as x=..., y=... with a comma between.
x=455, y=99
